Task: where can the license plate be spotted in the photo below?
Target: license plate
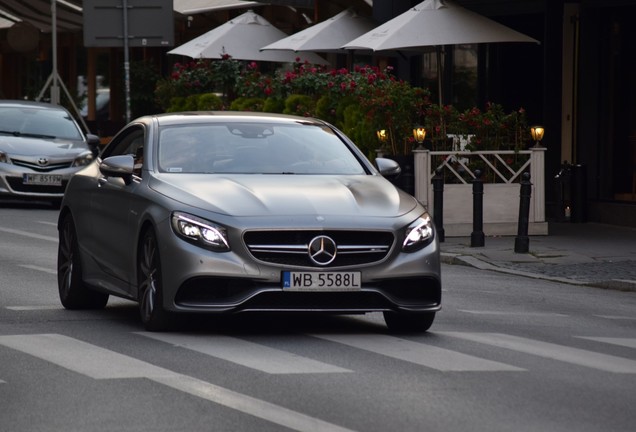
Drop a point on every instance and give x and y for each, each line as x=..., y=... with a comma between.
x=42, y=179
x=321, y=281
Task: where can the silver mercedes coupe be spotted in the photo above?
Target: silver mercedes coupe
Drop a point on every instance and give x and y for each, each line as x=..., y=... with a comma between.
x=226, y=212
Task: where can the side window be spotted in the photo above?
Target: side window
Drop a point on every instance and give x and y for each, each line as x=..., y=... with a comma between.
x=128, y=141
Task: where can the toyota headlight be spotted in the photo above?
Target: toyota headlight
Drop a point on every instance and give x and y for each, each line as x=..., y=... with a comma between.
x=200, y=232
x=83, y=159
x=418, y=234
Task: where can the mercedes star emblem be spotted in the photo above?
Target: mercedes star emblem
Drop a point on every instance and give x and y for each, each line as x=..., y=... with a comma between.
x=322, y=250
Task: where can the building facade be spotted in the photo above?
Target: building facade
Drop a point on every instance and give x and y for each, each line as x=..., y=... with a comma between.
x=579, y=82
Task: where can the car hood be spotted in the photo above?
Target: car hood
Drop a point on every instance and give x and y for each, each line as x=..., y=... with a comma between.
x=26, y=146
x=290, y=195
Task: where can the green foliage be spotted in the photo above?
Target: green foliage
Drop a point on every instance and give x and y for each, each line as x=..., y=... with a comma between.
x=274, y=105
x=191, y=103
x=326, y=109
x=197, y=77
x=143, y=79
x=209, y=102
x=357, y=127
x=359, y=102
x=177, y=103
x=247, y=104
x=300, y=104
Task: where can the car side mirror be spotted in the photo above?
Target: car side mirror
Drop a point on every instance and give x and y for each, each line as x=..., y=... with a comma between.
x=93, y=143
x=388, y=167
x=118, y=166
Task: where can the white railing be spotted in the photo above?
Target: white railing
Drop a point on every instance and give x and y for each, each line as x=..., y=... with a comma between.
x=501, y=187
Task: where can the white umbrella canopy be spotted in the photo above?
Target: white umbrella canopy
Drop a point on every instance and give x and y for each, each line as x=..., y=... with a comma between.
x=435, y=23
x=326, y=36
x=241, y=38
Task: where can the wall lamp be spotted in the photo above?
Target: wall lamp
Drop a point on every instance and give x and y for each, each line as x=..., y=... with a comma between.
x=537, y=134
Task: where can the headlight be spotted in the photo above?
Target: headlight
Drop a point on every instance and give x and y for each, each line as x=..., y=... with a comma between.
x=200, y=232
x=4, y=158
x=83, y=159
x=418, y=234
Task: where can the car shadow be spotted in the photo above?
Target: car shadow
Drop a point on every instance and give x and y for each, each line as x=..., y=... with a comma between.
x=28, y=204
x=248, y=323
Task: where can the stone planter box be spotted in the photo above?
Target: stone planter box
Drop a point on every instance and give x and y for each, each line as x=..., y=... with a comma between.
x=500, y=199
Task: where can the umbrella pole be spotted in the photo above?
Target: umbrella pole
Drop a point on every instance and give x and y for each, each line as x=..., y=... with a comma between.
x=440, y=70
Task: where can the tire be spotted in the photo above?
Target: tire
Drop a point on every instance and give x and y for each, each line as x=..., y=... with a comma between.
x=73, y=293
x=405, y=322
x=153, y=315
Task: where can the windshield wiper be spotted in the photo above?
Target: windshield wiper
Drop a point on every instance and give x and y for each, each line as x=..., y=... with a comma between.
x=26, y=134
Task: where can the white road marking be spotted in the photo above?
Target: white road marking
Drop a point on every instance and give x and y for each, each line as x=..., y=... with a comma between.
x=247, y=354
x=29, y=234
x=48, y=223
x=418, y=353
x=552, y=351
x=82, y=357
x=626, y=342
x=38, y=268
x=34, y=308
x=531, y=314
x=100, y=363
x=256, y=407
x=617, y=317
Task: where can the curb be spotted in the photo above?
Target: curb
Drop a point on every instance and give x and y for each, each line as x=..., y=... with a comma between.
x=471, y=261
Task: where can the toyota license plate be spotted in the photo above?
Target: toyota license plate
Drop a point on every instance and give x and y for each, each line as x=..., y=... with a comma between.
x=321, y=281
x=42, y=179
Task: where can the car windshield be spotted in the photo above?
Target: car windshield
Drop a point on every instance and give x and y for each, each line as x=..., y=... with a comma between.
x=38, y=122
x=255, y=148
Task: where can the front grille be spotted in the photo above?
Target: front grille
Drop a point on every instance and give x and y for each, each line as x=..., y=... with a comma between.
x=17, y=185
x=232, y=294
x=290, y=248
x=39, y=168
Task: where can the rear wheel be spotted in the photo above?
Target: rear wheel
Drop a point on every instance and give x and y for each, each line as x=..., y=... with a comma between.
x=153, y=316
x=409, y=322
x=73, y=293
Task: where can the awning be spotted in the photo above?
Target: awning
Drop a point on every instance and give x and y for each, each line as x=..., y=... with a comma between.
x=38, y=13
x=70, y=18
x=192, y=7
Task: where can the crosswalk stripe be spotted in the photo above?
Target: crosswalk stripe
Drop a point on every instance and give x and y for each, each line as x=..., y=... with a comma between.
x=626, y=342
x=248, y=354
x=617, y=317
x=29, y=234
x=34, y=307
x=82, y=357
x=256, y=407
x=515, y=313
x=38, y=268
x=552, y=351
x=422, y=354
x=100, y=363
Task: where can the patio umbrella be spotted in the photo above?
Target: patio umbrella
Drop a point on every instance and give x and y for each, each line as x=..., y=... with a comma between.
x=241, y=38
x=326, y=36
x=434, y=23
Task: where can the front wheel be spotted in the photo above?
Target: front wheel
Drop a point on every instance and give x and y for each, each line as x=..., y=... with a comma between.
x=73, y=293
x=409, y=322
x=153, y=316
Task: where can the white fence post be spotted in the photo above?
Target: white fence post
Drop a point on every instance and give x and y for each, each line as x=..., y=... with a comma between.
x=422, y=167
x=537, y=177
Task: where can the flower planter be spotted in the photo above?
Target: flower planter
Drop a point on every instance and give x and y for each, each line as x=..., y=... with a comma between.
x=500, y=199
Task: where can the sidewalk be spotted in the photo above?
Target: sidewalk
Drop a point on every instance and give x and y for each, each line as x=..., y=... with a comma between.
x=582, y=254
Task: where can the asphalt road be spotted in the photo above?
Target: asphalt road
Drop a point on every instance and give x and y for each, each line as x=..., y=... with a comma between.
x=506, y=353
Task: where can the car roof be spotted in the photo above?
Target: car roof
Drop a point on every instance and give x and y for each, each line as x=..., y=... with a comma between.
x=167, y=119
x=18, y=103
